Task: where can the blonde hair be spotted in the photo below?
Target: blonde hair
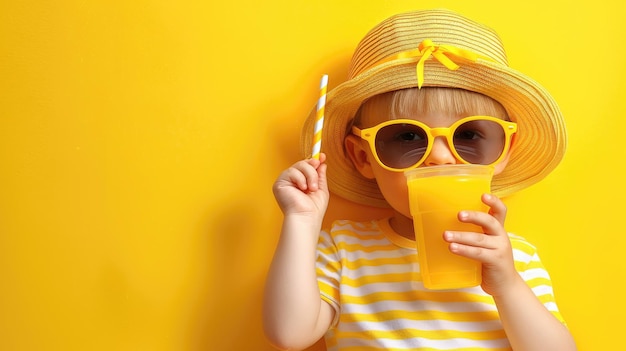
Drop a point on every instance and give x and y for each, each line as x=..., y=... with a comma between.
x=406, y=102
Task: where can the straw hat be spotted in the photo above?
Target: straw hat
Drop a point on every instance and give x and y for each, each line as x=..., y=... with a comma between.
x=439, y=48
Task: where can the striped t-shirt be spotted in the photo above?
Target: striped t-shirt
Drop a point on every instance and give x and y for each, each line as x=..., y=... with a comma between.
x=370, y=275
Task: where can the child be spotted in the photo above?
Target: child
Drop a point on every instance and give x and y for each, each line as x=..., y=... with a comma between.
x=358, y=284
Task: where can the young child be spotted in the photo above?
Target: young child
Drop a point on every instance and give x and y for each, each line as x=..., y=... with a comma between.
x=358, y=283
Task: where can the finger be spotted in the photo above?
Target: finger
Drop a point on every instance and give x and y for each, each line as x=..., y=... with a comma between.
x=322, y=183
x=297, y=178
x=470, y=239
x=311, y=169
x=486, y=249
x=497, y=208
x=490, y=224
x=320, y=176
x=472, y=252
x=322, y=157
x=300, y=173
x=484, y=255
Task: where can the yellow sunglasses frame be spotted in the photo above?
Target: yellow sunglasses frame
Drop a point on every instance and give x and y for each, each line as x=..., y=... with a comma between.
x=369, y=135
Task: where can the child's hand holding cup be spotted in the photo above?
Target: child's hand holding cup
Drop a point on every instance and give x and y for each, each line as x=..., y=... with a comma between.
x=436, y=195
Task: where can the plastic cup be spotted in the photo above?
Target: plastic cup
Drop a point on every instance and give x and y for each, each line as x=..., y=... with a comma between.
x=436, y=195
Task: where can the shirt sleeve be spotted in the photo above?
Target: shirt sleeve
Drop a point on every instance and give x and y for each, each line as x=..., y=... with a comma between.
x=532, y=270
x=328, y=269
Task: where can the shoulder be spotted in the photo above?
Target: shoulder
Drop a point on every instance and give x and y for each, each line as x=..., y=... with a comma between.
x=521, y=244
x=346, y=224
x=353, y=232
x=349, y=227
x=525, y=254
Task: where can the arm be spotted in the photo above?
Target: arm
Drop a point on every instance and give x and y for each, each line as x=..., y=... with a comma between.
x=529, y=326
x=294, y=315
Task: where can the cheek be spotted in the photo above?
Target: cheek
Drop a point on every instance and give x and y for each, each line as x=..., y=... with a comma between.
x=394, y=189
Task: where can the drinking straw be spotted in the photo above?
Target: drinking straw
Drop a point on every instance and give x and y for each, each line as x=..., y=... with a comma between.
x=319, y=121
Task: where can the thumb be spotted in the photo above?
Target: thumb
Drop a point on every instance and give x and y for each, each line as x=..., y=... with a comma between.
x=322, y=182
x=321, y=172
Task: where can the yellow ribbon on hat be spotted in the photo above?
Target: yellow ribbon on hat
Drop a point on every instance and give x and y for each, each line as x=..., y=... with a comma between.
x=442, y=53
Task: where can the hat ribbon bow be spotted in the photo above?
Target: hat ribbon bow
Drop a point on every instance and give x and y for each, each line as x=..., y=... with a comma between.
x=445, y=54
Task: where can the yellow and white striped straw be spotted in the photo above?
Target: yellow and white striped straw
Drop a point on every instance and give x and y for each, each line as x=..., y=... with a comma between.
x=319, y=121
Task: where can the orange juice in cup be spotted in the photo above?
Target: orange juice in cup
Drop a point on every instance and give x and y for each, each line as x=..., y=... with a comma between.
x=436, y=195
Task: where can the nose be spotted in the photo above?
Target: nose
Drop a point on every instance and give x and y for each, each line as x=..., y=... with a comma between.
x=440, y=154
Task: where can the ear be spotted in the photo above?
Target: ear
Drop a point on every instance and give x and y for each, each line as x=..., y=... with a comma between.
x=358, y=152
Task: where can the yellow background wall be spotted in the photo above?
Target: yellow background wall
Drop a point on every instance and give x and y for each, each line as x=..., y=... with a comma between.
x=139, y=141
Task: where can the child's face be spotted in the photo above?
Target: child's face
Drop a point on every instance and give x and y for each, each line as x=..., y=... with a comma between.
x=392, y=183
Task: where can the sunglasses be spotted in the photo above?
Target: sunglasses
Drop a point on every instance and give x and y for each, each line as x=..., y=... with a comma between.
x=401, y=144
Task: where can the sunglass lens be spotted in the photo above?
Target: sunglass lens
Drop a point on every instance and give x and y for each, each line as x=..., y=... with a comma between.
x=479, y=141
x=401, y=145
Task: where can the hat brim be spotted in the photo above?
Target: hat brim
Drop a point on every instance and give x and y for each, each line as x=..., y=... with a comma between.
x=539, y=143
